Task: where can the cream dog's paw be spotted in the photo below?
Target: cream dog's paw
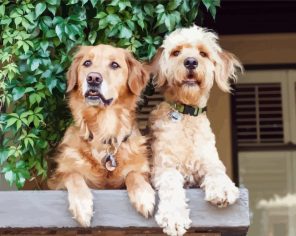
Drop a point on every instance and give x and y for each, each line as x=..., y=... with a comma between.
x=81, y=208
x=220, y=190
x=175, y=222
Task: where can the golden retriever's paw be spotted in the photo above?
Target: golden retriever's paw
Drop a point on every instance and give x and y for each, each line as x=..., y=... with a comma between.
x=220, y=190
x=81, y=209
x=143, y=199
x=174, y=222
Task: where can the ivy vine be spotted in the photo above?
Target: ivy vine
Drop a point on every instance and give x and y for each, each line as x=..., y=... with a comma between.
x=36, y=45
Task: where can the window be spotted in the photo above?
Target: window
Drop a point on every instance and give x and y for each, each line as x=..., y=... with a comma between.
x=265, y=124
x=258, y=109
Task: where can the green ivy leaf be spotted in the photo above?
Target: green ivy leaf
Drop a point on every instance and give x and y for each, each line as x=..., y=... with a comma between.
x=59, y=31
x=52, y=9
x=103, y=23
x=3, y=155
x=10, y=176
x=212, y=10
x=173, y=4
x=53, y=2
x=40, y=8
x=149, y=9
x=35, y=64
x=2, y=10
x=51, y=83
x=125, y=33
x=18, y=124
x=92, y=37
x=17, y=20
x=207, y=3
x=169, y=22
x=18, y=92
x=101, y=15
x=159, y=9
x=113, y=19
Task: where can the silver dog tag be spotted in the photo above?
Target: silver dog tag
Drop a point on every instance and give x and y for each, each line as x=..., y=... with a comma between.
x=110, y=162
x=175, y=116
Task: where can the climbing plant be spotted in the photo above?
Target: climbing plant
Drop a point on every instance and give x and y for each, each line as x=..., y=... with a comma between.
x=36, y=45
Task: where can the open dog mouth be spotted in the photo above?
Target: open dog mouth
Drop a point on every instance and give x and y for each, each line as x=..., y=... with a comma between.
x=191, y=79
x=95, y=95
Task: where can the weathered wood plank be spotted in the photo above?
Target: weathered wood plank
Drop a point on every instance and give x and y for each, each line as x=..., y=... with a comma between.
x=37, y=210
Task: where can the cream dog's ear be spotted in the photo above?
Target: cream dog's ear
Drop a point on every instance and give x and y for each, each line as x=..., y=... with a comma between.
x=137, y=75
x=153, y=68
x=226, y=69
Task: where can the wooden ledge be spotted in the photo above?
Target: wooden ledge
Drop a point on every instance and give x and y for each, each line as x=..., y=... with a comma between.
x=21, y=211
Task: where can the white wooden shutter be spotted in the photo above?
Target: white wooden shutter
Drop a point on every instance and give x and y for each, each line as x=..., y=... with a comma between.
x=258, y=112
x=262, y=108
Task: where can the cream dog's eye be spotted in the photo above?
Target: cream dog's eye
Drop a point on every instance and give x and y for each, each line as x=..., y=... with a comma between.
x=203, y=54
x=176, y=53
x=114, y=65
x=87, y=63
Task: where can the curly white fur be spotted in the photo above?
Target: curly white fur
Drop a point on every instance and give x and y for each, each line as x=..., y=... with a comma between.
x=173, y=212
x=184, y=151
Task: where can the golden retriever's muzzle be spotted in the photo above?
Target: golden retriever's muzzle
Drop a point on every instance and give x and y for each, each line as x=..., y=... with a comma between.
x=191, y=64
x=93, y=93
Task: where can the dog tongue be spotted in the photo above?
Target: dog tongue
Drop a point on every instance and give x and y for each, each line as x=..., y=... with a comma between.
x=93, y=93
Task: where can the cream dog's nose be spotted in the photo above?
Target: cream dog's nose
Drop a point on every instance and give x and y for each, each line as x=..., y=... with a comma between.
x=190, y=63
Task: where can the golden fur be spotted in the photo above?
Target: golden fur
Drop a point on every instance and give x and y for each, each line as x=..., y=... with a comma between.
x=79, y=161
x=184, y=152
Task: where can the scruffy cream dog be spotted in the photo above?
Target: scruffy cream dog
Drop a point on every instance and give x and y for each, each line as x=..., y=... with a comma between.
x=183, y=144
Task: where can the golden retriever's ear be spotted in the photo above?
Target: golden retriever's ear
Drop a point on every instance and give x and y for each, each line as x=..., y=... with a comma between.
x=226, y=70
x=137, y=75
x=153, y=68
x=72, y=74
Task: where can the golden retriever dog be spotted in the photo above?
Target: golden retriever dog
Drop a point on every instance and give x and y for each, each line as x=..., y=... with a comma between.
x=183, y=144
x=103, y=148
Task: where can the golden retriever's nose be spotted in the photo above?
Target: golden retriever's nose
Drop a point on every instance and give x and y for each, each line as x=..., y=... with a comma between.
x=190, y=63
x=94, y=78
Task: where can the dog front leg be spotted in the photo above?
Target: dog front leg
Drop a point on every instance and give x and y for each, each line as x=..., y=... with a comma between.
x=140, y=192
x=80, y=199
x=173, y=213
x=219, y=188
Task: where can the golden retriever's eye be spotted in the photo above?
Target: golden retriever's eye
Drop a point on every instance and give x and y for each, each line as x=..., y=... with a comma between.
x=87, y=63
x=203, y=54
x=114, y=65
x=176, y=53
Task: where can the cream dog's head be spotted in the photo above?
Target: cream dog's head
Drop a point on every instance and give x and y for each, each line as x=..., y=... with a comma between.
x=189, y=61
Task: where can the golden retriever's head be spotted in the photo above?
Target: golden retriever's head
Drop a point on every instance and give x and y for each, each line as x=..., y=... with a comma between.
x=189, y=61
x=102, y=74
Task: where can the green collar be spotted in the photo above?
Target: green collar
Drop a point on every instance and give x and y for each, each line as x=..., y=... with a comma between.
x=188, y=110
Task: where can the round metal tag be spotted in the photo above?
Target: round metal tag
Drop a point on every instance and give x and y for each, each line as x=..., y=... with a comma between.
x=175, y=116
